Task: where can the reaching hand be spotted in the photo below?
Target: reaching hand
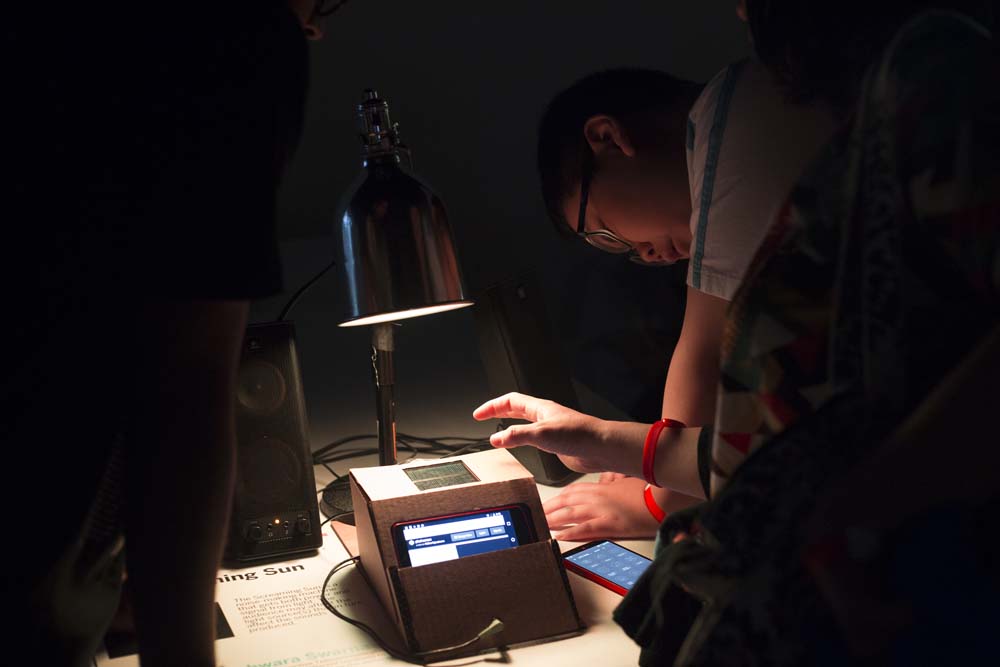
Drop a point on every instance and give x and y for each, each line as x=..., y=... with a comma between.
x=590, y=511
x=582, y=442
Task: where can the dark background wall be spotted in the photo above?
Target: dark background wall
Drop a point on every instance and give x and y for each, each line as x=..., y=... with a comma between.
x=467, y=82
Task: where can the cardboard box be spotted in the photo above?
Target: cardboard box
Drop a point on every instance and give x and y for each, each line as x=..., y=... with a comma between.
x=445, y=604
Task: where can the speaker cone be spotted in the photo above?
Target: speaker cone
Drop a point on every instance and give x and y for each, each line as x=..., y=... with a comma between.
x=261, y=388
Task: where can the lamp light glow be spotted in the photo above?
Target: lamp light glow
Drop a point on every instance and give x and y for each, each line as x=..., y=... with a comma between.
x=405, y=314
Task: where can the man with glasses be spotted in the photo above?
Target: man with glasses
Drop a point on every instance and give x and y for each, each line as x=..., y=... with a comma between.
x=642, y=164
x=145, y=145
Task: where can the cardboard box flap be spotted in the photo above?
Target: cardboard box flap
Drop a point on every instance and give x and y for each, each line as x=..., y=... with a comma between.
x=448, y=603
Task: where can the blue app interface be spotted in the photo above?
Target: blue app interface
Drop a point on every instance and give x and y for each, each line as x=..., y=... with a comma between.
x=612, y=562
x=448, y=539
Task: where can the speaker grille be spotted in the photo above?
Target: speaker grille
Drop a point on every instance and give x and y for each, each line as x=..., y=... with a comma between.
x=271, y=476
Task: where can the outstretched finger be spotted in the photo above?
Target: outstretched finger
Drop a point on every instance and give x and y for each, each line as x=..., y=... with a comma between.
x=520, y=435
x=512, y=405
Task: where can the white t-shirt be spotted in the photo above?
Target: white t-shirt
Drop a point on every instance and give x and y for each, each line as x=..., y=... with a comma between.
x=746, y=146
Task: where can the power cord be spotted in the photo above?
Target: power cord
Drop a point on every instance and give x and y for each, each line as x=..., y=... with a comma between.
x=416, y=445
x=416, y=658
x=334, y=517
x=450, y=445
x=299, y=292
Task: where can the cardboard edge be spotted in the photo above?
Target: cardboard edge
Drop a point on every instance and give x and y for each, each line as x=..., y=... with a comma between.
x=557, y=553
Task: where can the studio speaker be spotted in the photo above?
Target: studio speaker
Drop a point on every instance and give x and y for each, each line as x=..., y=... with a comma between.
x=274, y=508
x=520, y=353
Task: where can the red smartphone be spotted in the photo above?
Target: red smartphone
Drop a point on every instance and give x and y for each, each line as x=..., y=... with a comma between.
x=447, y=537
x=607, y=563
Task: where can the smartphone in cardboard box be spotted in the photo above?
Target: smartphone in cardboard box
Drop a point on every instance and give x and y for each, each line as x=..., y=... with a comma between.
x=446, y=589
x=439, y=538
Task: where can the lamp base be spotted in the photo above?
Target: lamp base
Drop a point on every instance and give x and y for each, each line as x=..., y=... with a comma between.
x=336, y=501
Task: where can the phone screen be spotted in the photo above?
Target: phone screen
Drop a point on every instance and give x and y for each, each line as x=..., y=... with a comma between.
x=611, y=563
x=437, y=539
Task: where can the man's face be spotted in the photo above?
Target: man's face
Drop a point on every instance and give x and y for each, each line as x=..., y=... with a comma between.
x=643, y=199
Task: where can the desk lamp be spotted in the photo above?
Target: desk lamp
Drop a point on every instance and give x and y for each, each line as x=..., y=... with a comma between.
x=398, y=253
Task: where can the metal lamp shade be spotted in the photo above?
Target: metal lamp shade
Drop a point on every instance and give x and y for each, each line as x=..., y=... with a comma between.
x=398, y=252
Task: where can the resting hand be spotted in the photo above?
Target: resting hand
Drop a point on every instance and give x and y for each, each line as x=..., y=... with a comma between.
x=582, y=442
x=588, y=511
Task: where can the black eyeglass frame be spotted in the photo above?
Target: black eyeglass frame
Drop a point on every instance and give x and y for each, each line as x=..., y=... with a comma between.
x=619, y=245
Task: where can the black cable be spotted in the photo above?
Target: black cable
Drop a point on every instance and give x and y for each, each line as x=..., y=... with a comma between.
x=437, y=444
x=334, y=517
x=301, y=291
x=436, y=439
x=496, y=625
x=416, y=445
x=445, y=450
x=398, y=655
x=481, y=445
x=350, y=454
x=342, y=441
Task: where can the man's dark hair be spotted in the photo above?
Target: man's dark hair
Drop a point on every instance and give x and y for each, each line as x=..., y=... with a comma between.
x=627, y=95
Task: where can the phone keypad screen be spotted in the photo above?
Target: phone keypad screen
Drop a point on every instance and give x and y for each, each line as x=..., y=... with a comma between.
x=612, y=562
x=447, y=539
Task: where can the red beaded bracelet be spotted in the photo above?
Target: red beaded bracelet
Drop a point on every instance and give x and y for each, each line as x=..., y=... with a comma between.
x=649, y=447
x=654, y=509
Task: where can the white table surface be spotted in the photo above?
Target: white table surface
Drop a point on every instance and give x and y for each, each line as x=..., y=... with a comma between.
x=316, y=638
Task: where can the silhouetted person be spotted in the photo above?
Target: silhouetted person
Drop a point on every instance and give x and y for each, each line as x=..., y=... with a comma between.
x=143, y=150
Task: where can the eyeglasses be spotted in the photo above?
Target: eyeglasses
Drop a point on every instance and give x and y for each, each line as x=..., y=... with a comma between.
x=603, y=239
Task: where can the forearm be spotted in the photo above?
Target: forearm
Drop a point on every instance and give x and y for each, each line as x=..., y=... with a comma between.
x=671, y=501
x=676, y=462
x=676, y=459
x=692, y=380
x=689, y=397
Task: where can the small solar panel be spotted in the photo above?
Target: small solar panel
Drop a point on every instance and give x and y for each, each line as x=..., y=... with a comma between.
x=440, y=475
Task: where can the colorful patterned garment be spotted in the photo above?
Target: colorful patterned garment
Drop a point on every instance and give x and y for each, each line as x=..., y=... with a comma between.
x=882, y=269
x=881, y=273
